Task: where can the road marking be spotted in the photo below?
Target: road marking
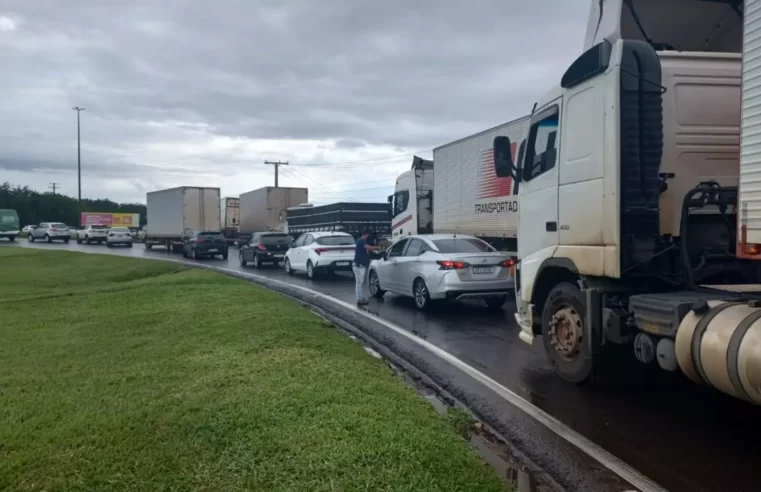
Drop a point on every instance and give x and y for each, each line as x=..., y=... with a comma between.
x=605, y=458
x=612, y=463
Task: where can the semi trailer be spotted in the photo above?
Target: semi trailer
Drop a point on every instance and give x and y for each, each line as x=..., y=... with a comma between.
x=458, y=191
x=628, y=228
x=351, y=217
x=175, y=212
x=264, y=209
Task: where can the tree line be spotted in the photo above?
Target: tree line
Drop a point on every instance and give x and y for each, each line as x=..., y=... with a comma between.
x=34, y=207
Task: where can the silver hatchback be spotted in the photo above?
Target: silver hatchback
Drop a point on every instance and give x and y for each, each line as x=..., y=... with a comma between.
x=443, y=267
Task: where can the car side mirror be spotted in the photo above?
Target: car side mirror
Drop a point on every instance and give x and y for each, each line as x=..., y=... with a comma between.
x=383, y=255
x=503, y=158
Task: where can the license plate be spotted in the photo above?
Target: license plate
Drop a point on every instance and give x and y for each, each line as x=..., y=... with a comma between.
x=482, y=270
x=342, y=263
x=212, y=251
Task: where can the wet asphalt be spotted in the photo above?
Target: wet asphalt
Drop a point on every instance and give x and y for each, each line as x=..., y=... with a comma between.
x=683, y=436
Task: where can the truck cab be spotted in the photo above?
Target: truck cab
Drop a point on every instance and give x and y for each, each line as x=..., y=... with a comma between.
x=630, y=180
x=412, y=201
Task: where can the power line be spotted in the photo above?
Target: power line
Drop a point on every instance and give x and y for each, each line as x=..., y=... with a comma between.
x=301, y=177
x=277, y=166
x=54, y=186
x=352, y=163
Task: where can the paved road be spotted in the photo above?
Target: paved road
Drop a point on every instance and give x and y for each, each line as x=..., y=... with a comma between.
x=682, y=436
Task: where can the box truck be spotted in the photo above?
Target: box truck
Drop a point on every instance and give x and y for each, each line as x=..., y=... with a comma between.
x=351, y=217
x=175, y=212
x=264, y=209
x=629, y=183
x=459, y=192
x=230, y=208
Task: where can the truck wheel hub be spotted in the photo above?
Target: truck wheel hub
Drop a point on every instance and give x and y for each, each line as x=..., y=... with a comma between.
x=566, y=332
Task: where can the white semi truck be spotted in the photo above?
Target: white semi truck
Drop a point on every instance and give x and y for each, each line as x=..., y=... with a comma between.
x=627, y=237
x=458, y=192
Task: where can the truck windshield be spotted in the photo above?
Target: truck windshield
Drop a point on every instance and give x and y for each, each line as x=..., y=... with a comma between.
x=276, y=239
x=462, y=245
x=335, y=241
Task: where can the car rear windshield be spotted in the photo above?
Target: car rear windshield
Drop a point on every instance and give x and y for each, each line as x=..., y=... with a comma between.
x=99, y=227
x=276, y=239
x=462, y=245
x=119, y=229
x=214, y=235
x=335, y=241
x=58, y=225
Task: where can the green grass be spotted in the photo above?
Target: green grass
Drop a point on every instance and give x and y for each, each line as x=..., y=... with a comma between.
x=127, y=374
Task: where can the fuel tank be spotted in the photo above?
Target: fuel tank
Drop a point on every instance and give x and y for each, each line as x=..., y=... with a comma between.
x=718, y=343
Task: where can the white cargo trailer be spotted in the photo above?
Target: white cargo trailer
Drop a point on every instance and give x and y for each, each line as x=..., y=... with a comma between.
x=459, y=191
x=230, y=208
x=264, y=209
x=175, y=212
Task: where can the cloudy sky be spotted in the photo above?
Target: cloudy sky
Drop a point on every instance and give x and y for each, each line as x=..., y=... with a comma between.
x=177, y=92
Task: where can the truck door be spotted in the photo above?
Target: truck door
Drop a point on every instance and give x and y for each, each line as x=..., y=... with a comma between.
x=538, y=228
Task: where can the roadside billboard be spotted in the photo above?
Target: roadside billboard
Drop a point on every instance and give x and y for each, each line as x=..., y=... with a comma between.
x=109, y=219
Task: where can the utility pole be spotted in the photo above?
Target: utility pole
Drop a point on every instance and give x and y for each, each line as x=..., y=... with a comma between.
x=79, y=155
x=277, y=165
x=53, y=186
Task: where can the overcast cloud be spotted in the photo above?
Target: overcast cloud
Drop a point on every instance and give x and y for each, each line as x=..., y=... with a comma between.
x=190, y=92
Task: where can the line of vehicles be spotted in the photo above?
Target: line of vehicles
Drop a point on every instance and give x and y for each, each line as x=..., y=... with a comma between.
x=638, y=225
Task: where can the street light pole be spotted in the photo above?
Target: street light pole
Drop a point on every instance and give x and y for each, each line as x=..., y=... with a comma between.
x=79, y=154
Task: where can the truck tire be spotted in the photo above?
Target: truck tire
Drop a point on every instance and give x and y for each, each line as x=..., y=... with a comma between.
x=563, y=325
x=148, y=245
x=11, y=238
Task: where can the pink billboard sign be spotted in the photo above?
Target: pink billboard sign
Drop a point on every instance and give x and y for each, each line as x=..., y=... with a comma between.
x=96, y=219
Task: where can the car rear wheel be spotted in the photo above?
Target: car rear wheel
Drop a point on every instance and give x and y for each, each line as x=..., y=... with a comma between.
x=66, y=241
x=149, y=246
x=87, y=240
x=375, y=288
x=311, y=273
x=195, y=255
x=495, y=303
x=288, y=268
x=242, y=259
x=422, y=296
x=79, y=239
x=30, y=238
x=47, y=239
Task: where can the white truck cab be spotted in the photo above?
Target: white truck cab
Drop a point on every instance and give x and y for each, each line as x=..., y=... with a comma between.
x=630, y=180
x=412, y=201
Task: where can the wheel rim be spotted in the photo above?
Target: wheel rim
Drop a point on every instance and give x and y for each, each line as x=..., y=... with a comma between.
x=374, y=284
x=240, y=257
x=567, y=332
x=310, y=270
x=420, y=294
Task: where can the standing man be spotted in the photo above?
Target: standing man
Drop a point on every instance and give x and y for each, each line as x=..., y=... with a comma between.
x=361, y=262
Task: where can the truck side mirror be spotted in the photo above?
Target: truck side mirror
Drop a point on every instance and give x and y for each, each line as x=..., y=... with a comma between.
x=390, y=199
x=503, y=157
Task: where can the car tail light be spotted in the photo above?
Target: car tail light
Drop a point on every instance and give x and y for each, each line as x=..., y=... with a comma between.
x=508, y=263
x=261, y=247
x=319, y=251
x=451, y=265
x=200, y=240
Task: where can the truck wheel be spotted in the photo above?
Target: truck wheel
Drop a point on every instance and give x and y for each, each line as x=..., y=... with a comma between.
x=148, y=245
x=288, y=268
x=66, y=241
x=11, y=238
x=563, y=333
x=375, y=288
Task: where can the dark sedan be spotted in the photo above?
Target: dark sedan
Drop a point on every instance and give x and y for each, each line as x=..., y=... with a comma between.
x=265, y=247
x=200, y=244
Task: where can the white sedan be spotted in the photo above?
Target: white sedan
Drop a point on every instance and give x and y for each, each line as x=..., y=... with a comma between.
x=431, y=267
x=119, y=235
x=320, y=252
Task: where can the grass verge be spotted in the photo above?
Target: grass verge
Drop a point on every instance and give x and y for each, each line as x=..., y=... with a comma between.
x=126, y=374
